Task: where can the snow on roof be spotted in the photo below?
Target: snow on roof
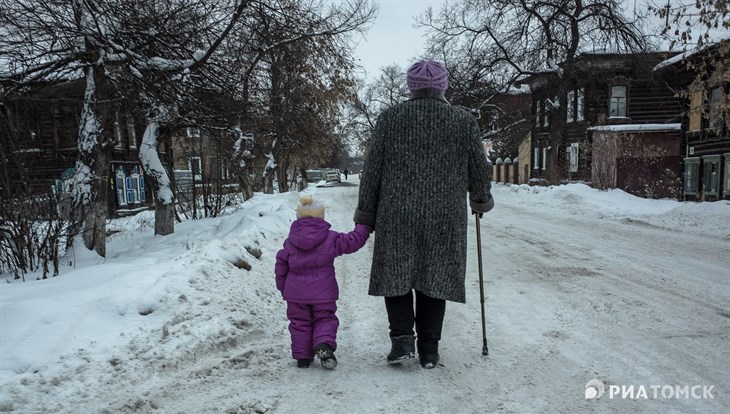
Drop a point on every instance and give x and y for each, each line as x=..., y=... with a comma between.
x=674, y=59
x=637, y=127
x=688, y=53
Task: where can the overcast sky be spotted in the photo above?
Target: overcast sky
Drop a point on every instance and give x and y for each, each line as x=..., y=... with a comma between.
x=392, y=39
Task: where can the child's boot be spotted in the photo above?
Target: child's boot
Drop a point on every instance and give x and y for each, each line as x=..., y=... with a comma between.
x=326, y=356
x=304, y=363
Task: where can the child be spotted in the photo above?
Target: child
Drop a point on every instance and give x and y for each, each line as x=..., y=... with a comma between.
x=305, y=275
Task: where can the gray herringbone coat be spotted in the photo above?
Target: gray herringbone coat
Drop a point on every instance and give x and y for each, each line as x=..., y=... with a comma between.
x=423, y=158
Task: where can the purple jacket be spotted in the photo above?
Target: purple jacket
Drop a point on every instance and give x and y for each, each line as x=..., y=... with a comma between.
x=305, y=269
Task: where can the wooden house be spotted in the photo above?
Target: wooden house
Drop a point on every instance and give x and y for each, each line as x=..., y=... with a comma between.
x=706, y=153
x=618, y=123
x=506, y=126
x=202, y=161
x=39, y=129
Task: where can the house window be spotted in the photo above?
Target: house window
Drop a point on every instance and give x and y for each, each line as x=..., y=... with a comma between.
x=618, y=102
x=536, y=159
x=195, y=167
x=570, y=109
x=574, y=157
x=711, y=176
x=544, y=157
x=131, y=135
x=691, y=176
x=576, y=103
x=546, y=108
x=715, y=111
x=119, y=182
x=225, y=171
x=539, y=113
x=117, y=133
x=191, y=133
x=580, y=105
x=138, y=184
x=130, y=188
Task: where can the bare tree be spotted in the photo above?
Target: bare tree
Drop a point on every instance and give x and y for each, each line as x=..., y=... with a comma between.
x=515, y=38
x=170, y=58
x=305, y=75
x=148, y=51
x=683, y=19
x=388, y=89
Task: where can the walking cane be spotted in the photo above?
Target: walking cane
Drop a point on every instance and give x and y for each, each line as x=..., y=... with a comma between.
x=485, y=350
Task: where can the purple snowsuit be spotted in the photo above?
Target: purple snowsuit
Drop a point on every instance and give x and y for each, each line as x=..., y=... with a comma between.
x=305, y=275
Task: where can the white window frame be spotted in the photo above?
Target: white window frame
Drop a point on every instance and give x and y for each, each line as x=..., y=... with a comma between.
x=691, y=175
x=117, y=132
x=120, y=177
x=574, y=153
x=536, y=161
x=570, y=109
x=192, y=133
x=138, y=185
x=225, y=173
x=711, y=175
x=615, y=109
x=581, y=105
x=199, y=162
x=131, y=134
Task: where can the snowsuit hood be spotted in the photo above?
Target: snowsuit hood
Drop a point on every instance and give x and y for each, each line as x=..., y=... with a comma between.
x=305, y=269
x=309, y=232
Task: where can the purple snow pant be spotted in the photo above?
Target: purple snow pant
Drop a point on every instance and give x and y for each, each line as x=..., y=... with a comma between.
x=311, y=325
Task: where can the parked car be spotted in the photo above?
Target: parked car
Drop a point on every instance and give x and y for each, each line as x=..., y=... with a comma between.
x=333, y=176
x=314, y=176
x=327, y=175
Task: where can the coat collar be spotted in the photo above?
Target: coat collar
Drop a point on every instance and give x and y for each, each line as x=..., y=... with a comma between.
x=426, y=93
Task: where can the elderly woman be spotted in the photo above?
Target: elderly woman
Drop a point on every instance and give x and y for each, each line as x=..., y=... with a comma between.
x=423, y=158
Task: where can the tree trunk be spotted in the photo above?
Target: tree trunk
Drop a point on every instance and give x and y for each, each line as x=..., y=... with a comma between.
x=95, y=221
x=164, y=219
x=269, y=182
x=159, y=179
x=557, y=137
x=245, y=184
x=91, y=167
x=282, y=177
x=270, y=171
x=94, y=234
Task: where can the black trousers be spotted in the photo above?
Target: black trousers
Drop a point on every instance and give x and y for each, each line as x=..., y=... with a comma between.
x=428, y=318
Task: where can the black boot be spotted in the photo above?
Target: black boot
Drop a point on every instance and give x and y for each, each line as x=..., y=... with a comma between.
x=428, y=352
x=326, y=356
x=304, y=363
x=403, y=348
x=429, y=360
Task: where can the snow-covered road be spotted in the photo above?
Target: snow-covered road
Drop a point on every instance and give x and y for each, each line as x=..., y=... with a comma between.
x=574, y=292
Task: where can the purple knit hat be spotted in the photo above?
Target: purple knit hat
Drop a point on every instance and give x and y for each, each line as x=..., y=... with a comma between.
x=428, y=74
